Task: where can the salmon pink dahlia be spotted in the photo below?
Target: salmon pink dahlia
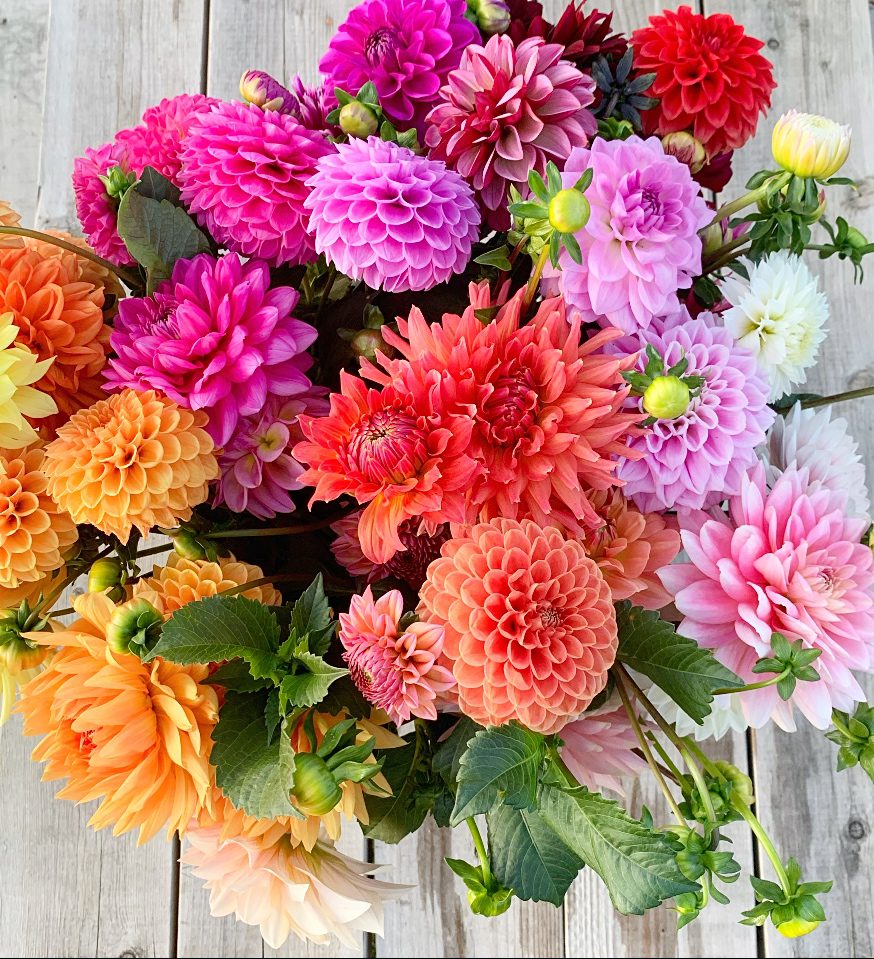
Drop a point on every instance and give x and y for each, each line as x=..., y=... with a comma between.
x=529, y=622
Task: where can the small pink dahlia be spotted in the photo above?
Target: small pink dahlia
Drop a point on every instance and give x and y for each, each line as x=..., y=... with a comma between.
x=396, y=220
x=406, y=48
x=95, y=208
x=243, y=176
x=507, y=110
x=213, y=337
x=785, y=560
x=599, y=748
x=396, y=670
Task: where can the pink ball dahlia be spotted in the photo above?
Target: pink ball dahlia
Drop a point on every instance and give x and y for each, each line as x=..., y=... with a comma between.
x=788, y=560
x=95, y=208
x=599, y=748
x=406, y=48
x=507, y=110
x=396, y=670
x=698, y=458
x=396, y=220
x=641, y=243
x=530, y=625
x=213, y=337
x=243, y=177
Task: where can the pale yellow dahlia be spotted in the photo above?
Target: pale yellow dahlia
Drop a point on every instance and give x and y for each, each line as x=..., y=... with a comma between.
x=19, y=369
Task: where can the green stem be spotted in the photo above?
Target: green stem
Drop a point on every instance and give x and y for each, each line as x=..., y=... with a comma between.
x=729, y=209
x=765, y=842
x=700, y=785
x=721, y=251
x=326, y=292
x=480, y=851
x=52, y=597
x=761, y=684
x=531, y=289
x=660, y=749
x=724, y=260
x=703, y=758
x=280, y=530
x=155, y=550
x=281, y=578
x=838, y=397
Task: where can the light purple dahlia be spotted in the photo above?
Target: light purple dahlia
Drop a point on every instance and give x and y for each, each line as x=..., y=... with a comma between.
x=396, y=220
x=214, y=337
x=641, y=243
x=243, y=174
x=405, y=47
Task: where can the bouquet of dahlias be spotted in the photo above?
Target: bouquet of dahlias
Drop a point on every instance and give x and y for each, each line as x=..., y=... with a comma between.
x=461, y=415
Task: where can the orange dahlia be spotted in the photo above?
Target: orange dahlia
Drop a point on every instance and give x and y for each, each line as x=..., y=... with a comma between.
x=132, y=460
x=135, y=735
x=9, y=217
x=530, y=629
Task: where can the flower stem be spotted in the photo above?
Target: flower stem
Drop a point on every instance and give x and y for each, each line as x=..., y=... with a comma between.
x=765, y=842
x=52, y=597
x=480, y=851
x=721, y=251
x=728, y=257
x=666, y=759
x=326, y=292
x=761, y=684
x=753, y=196
x=155, y=550
x=281, y=578
x=531, y=289
x=838, y=397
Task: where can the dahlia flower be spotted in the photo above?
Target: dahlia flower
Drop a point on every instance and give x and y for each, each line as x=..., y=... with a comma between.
x=135, y=735
x=584, y=34
x=310, y=106
x=9, y=217
x=243, y=173
x=641, y=242
x=726, y=714
x=396, y=670
x=599, y=748
x=396, y=220
x=393, y=451
x=785, y=560
x=710, y=77
x=406, y=48
x=780, y=314
x=530, y=629
x=19, y=663
x=19, y=370
x=132, y=460
x=506, y=111
x=697, y=459
x=813, y=441
x=95, y=208
x=214, y=337
x=809, y=145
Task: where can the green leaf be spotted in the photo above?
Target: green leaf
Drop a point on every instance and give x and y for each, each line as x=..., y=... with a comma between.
x=528, y=210
x=537, y=186
x=235, y=676
x=553, y=178
x=638, y=865
x=573, y=247
x=500, y=765
x=155, y=185
x=679, y=666
x=271, y=713
x=311, y=617
x=447, y=756
x=310, y=686
x=497, y=258
x=528, y=857
x=393, y=817
x=344, y=696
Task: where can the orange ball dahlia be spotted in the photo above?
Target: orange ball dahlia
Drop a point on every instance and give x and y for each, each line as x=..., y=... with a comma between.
x=135, y=735
x=131, y=460
x=529, y=623
x=81, y=268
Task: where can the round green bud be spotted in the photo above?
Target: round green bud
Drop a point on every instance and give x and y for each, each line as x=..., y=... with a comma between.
x=117, y=182
x=742, y=785
x=135, y=627
x=569, y=211
x=712, y=239
x=315, y=789
x=366, y=342
x=104, y=574
x=666, y=398
x=855, y=238
x=796, y=927
x=492, y=16
x=186, y=544
x=489, y=903
x=358, y=120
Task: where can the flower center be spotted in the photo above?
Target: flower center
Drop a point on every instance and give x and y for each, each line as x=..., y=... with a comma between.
x=161, y=319
x=86, y=743
x=510, y=411
x=385, y=447
x=550, y=616
x=651, y=202
x=827, y=580
x=378, y=44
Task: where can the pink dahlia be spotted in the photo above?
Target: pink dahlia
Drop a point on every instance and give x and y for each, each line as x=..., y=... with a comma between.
x=788, y=560
x=310, y=106
x=95, y=208
x=641, y=243
x=213, y=337
x=396, y=669
x=698, y=458
x=529, y=621
x=243, y=176
x=506, y=111
x=599, y=748
x=396, y=220
x=406, y=48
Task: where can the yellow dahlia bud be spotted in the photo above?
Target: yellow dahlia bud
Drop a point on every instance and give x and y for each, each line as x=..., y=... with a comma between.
x=19, y=662
x=666, y=398
x=797, y=927
x=135, y=627
x=104, y=574
x=569, y=211
x=358, y=120
x=315, y=789
x=686, y=148
x=809, y=145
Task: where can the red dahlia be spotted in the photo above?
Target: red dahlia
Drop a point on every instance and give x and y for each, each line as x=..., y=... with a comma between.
x=584, y=35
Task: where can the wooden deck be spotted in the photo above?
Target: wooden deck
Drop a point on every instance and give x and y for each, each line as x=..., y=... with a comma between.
x=74, y=71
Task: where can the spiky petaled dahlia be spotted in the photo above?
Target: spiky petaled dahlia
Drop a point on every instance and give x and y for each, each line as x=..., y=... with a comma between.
x=530, y=628
x=19, y=371
x=548, y=420
x=641, y=242
x=630, y=547
x=214, y=337
x=243, y=177
x=710, y=77
x=406, y=48
x=698, y=458
x=136, y=735
x=785, y=560
x=396, y=452
x=506, y=111
x=584, y=34
x=310, y=106
x=599, y=748
x=95, y=208
x=396, y=220
x=132, y=460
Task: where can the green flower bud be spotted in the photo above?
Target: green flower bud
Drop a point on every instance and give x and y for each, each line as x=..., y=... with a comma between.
x=367, y=342
x=796, y=927
x=490, y=904
x=187, y=545
x=135, y=627
x=569, y=211
x=358, y=120
x=742, y=785
x=491, y=16
x=666, y=398
x=117, y=182
x=712, y=239
x=104, y=574
x=855, y=238
x=315, y=790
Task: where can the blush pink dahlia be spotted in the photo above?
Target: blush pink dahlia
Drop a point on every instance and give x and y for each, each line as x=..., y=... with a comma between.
x=213, y=337
x=243, y=177
x=396, y=220
x=95, y=208
x=406, y=48
x=599, y=748
x=530, y=625
x=641, y=242
x=788, y=560
x=507, y=110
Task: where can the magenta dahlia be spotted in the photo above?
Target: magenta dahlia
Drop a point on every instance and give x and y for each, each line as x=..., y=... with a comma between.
x=310, y=106
x=95, y=208
x=506, y=111
x=396, y=220
x=406, y=48
x=243, y=174
x=215, y=337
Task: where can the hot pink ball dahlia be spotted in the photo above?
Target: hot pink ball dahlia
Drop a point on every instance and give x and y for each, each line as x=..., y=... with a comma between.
x=507, y=110
x=95, y=208
x=405, y=47
x=641, y=243
x=599, y=748
x=213, y=337
x=243, y=176
x=788, y=560
x=530, y=625
x=396, y=220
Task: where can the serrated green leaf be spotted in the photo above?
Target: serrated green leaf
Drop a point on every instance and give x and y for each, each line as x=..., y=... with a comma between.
x=271, y=713
x=310, y=686
x=447, y=756
x=235, y=676
x=393, y=817
x=311, y=617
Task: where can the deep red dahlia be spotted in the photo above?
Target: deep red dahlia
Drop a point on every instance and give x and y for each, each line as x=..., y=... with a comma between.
x=710, y=77
x=585, y=35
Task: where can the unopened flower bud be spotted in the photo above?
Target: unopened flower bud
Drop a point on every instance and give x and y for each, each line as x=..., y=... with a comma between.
x=104, y=574
x=358, y=120
x=17, y=655
x=742, y=785
x=796, y=927
x=809, y=145
x=117, y=182
x=367, y=342
x=261, y=90
x=135, y=627
x=712, y=239
x=569, y=211
x=491, y=16
x=686, y=148
x=856, y=238
x=186, y=544
x=666, y=398
x=316, y=792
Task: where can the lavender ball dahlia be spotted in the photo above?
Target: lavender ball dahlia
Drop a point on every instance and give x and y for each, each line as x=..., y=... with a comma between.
x=396, y=220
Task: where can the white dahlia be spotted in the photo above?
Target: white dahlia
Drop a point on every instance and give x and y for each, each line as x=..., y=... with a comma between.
x=726, y=715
